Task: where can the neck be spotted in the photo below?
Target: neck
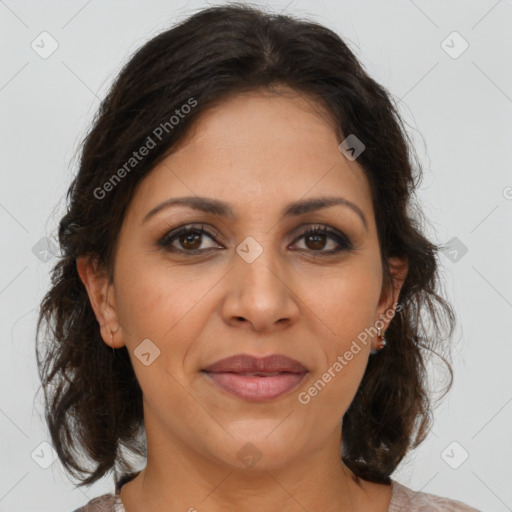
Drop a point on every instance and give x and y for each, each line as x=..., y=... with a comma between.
x=177, y=477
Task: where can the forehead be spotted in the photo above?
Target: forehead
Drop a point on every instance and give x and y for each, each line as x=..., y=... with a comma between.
x=257, y=148
x=276, y=117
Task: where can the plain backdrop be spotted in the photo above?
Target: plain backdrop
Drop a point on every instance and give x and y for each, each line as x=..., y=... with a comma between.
x=449, y=64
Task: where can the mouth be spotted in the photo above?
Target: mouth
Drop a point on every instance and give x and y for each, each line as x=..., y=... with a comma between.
x=256, y=379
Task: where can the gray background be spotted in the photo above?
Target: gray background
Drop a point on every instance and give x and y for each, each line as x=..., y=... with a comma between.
x=459, y=108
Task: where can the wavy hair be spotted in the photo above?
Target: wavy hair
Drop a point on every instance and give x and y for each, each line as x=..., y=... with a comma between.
x=92, y=399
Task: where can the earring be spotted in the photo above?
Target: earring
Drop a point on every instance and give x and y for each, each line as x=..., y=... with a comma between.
x=382, y=342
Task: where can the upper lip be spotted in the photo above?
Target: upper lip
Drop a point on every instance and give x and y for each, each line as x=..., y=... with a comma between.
x=245, y=363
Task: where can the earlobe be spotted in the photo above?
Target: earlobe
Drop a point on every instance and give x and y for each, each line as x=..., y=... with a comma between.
x=101, y=296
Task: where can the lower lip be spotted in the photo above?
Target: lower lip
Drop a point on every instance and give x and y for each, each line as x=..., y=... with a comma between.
x=255, y=388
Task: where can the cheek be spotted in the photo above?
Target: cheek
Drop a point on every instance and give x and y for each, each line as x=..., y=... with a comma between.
x=349, y=303
x=151, y=305
x=151, y=298
x=347, y=311
x=141, y=302
x=166, y=307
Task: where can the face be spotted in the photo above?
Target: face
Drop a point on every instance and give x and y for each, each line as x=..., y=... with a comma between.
x=201, y=286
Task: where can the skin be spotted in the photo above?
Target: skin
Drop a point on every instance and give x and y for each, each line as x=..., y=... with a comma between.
x=258, y=152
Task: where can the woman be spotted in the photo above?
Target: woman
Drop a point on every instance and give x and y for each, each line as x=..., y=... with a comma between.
x=243, y=289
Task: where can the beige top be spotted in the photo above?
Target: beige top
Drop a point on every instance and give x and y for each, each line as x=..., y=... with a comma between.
x=403, y=499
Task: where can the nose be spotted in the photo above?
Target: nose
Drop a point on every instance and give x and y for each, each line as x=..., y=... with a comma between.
x=260, y=294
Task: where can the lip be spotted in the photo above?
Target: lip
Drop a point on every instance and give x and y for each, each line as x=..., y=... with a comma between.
x=256, y=379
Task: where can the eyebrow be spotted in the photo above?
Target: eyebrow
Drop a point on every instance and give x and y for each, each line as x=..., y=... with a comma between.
x=216, y=207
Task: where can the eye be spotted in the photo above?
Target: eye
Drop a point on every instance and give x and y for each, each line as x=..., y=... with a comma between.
x=318, y=238
x=188, y=238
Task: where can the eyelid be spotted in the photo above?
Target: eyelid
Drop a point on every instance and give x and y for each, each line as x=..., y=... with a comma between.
x=200, y=227
x=343, y=241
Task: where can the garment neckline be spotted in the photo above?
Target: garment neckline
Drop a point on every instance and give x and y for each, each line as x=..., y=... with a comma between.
x=395, y=486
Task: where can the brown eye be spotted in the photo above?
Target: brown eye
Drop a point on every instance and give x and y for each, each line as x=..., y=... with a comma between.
x=315, y=241
x=191, y=240
x=187, y=239
x=319, y=238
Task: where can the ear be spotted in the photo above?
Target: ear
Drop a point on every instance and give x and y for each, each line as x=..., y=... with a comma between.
x=389, y=296
x=102, y=298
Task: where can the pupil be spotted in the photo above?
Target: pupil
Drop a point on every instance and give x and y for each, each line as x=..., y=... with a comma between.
x=317, y=241
x=188, y=240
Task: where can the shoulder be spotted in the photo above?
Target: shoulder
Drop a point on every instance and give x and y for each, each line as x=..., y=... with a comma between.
x=105, y=503
x=404, y=499
x=109, y=502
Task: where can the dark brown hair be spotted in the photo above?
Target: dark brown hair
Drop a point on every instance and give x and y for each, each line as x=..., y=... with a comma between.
x=93, y=402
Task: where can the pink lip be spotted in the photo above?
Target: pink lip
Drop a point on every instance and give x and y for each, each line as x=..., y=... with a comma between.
x=256, y=379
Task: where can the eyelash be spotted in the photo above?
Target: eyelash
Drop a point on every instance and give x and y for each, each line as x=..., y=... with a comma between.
x=341, y=239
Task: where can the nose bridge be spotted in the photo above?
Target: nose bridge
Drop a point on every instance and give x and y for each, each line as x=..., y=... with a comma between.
x=258, y=291
x=257, y=262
